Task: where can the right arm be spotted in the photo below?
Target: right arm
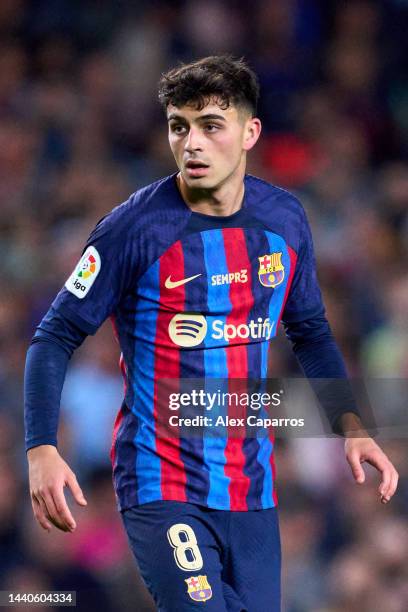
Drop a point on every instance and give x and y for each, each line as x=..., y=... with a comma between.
x=103, y=275
x=47, y=359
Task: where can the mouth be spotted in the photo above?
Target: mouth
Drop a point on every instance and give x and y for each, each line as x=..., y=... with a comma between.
x=196, y=168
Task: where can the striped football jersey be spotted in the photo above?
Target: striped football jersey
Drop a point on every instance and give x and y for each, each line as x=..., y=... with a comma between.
x=193, y=296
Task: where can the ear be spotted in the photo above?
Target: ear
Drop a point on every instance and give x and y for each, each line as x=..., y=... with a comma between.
x=252, y=132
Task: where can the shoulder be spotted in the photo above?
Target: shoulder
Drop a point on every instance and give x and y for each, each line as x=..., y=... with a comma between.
x=141, y=209
x=264, y=195
x=277, y=209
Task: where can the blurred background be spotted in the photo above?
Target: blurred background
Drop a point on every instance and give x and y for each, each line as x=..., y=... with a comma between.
x=80, y=129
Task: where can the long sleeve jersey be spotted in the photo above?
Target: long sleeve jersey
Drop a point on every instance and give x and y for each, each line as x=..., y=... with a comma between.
x=191, y=296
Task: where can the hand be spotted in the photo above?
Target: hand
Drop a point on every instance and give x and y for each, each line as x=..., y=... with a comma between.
x=48, y=475
x=360, y=449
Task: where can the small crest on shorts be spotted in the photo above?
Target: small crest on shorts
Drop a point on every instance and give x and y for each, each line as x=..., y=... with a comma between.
x=198, y=588
x=271, y=271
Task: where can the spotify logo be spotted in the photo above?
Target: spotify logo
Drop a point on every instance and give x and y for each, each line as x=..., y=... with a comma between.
x=187, y=329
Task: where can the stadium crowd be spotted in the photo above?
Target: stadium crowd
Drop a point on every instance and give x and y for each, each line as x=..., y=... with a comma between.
x=81, y=129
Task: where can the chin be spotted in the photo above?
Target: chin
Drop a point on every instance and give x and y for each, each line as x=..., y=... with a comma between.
x=201, y=182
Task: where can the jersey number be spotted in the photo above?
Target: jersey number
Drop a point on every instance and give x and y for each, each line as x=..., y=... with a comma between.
x=195, y=560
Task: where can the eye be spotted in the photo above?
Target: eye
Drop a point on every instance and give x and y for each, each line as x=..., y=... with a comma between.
x=178, y=128
x=212, y=127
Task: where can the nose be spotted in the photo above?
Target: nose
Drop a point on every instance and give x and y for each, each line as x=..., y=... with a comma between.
x=193, y=142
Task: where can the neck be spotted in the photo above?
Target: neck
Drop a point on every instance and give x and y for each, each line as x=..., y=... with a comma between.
x=224, y=200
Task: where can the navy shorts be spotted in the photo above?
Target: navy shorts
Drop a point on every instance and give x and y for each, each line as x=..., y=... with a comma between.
x=196, y=558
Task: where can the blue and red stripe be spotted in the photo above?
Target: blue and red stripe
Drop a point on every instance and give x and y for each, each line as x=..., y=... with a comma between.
x=242, y=302
x=215, y=364
x=257, y=457
x=277, y=308
x=167, y=366
x=147, y=461
x=276, y=305
x=192, y=363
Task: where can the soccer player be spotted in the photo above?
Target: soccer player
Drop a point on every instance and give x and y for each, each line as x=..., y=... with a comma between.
x=197, y=271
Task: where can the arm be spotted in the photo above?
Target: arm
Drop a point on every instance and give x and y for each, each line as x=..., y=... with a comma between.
x=47, y=359
x=106, y=271
x=320, y=358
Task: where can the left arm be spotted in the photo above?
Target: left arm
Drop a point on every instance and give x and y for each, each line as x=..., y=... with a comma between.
x=318, y=354
x=320, y=358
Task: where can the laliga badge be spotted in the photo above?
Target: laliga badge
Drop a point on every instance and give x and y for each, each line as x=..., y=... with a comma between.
x=198, y=588
x=271, y=271
x=85, y=273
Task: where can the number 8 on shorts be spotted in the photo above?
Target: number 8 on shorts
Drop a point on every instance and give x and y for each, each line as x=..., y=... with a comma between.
x=181, y=547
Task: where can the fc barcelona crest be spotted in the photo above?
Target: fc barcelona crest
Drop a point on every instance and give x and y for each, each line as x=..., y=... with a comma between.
x=198, y=588
x=271, y=271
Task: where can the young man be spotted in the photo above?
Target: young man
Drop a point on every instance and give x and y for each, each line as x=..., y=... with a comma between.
x=197, y=271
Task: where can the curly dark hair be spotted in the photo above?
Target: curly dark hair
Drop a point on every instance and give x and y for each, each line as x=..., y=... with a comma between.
x=223, y=77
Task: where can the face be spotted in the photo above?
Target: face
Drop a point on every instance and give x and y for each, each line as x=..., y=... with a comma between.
x=210, y=145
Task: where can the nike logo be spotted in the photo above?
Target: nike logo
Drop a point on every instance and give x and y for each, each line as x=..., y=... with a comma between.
x=169, y=284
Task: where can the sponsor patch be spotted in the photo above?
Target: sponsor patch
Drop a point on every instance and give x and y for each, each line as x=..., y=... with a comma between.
x=199, y=588
x=230, y=277
x=190, y=329
x=85, y=273
x=187, y=329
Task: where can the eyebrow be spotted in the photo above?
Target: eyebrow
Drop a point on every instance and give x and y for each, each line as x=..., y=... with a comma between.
x=212, y=116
